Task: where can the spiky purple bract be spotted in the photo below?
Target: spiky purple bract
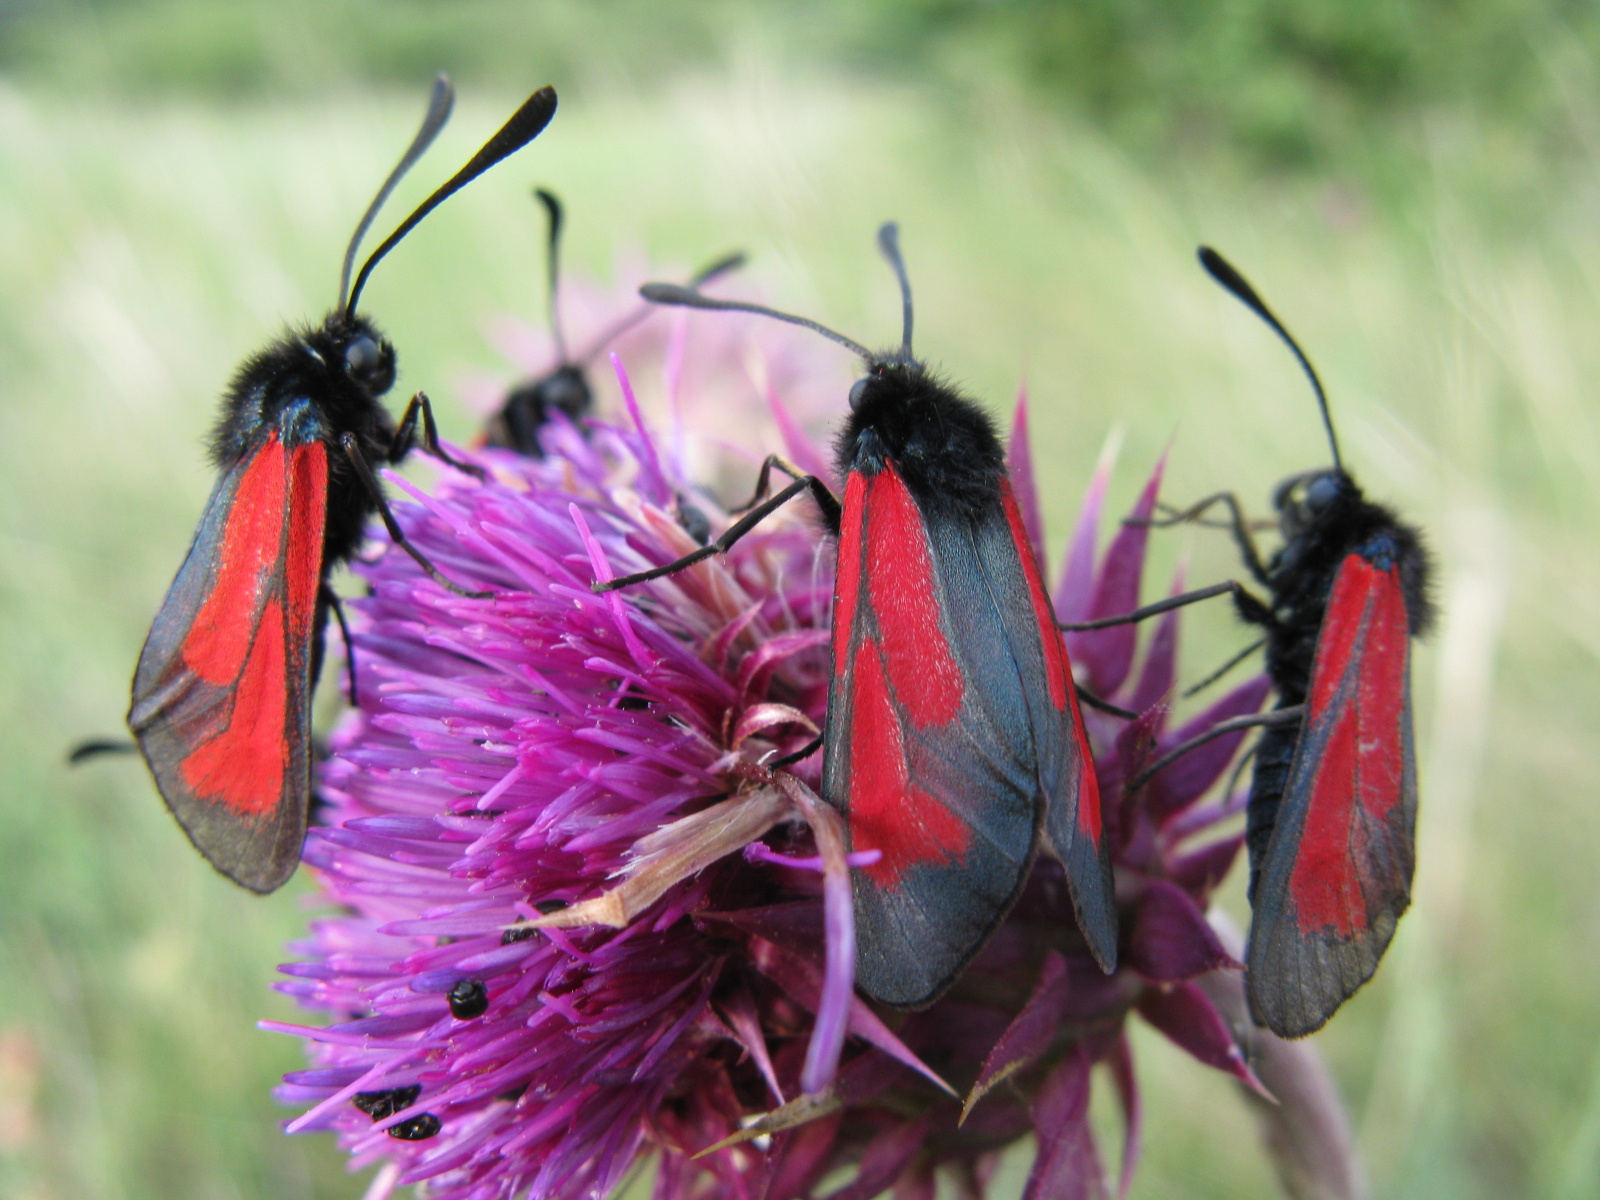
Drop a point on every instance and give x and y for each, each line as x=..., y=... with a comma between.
x=550, y=754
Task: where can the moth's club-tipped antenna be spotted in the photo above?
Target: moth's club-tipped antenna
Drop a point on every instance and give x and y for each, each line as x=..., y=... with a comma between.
x=687, y=297
x=440, y=102
x=552, y=208
x=1224, y=273
x=728, y=262
x=525, y=125
x=889, y=244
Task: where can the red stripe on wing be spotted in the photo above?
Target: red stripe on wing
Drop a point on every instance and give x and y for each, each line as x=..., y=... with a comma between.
x=242, y=767
x=1365, y=635
x=927, y=680
x=1058, y=668
x=887, y=812
x=240, y=638
x=847, y=577
x=250, y=556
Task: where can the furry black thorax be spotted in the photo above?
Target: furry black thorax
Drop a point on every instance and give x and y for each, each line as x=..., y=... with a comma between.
x=943, y=445
x=516, y=426
x=316, y=384
x=1324, y=517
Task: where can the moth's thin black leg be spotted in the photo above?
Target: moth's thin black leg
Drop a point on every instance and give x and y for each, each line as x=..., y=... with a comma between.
x=1238, y=524
x=805, y=751
x=95, y=747
x=1238, y=770
x=1228, y=587
x=1278, y=716
x=1085, y=696
x=752, y=518
x=1225, y=668
x=331, y=599
x=1259, y=525
x=831, y=512
x=352, y=451
x=405, y=437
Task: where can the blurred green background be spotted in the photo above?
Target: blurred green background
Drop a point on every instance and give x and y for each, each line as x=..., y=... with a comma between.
x=1414, y=184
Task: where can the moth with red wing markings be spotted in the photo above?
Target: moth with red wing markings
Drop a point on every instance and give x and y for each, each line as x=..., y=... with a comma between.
x=222, y=691
x=953, y=743
x=565, y=387
x=1331, y=820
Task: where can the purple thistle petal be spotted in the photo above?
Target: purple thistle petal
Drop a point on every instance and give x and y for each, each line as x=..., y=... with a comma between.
x=1176, y=787
x=1105, y=655
x=1019, y=466
x=1170, y=939
x=839, y=979
x=1030, y=1033
x=1160, y=670
x=1200, y=871
x=1183, y=1012
x=884, y=1159
x=651, y=472
x=1074, y=595
x=1126, y=1082
x=1068, y=1167
x=802, y=451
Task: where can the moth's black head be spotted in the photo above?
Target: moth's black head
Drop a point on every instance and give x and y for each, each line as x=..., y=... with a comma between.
x=1314, y=500
x=528, y=407
x=942, y=443
x=355, y=351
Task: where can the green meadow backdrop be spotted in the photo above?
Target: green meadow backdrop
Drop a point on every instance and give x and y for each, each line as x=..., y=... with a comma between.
x=1414, y=184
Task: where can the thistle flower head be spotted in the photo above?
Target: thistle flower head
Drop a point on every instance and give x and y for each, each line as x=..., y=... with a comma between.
x=581, y=919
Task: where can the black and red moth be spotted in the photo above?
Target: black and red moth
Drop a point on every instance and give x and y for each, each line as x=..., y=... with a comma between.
x=1333, y=797
x=565, y=387
x=222, y=693
x=953, y=743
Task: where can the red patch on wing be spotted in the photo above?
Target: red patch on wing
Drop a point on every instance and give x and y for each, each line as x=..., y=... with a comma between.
x=886, y=812
x=1357, y=778
x=928, y=684
x=252, y=549
x=1057, y=666
x=242, y=767
x=308, y=508
x=847, y=577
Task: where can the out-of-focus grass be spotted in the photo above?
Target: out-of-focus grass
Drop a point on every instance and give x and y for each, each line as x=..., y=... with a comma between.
x=144, y=248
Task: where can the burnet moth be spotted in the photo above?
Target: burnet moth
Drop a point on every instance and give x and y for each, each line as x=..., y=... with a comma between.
x=1331, y=820
x=222, y=693
x=953, y=744
x=565, y=388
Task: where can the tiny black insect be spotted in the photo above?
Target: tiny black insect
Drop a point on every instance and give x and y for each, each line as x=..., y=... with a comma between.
x=379, y=1105
x=469, y=998
x=417, y=1129
x=565, y=388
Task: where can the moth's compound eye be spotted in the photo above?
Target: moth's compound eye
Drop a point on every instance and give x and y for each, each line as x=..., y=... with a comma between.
x=362, y=356
x=858, y=391
x=1321, y=492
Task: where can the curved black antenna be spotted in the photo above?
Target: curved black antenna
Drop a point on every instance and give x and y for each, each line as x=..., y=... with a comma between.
x=671, y=293
x=439, y=106
x=1224, y=273
x=728, y=262
x=525, y=125
x=552, y=208
x=889, y=243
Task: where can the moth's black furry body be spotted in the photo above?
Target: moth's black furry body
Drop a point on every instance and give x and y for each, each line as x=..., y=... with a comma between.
x=943, y=445
x=313, y=385
x=516, y=426
x=1324, y=518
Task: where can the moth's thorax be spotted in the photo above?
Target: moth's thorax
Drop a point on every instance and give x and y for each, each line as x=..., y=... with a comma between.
x=529, y=406
x=942, y=444
x=317, y=382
